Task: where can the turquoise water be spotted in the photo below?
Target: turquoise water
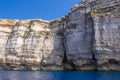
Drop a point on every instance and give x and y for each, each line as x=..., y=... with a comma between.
x=58, y=75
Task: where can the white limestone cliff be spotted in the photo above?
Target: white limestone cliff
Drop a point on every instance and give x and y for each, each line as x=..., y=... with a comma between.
x=87, y=38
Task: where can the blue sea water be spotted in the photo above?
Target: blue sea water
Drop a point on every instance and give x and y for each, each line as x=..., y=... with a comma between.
x=59, y=75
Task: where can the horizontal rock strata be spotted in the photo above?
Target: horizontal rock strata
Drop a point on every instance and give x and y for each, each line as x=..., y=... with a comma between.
x=87, y=38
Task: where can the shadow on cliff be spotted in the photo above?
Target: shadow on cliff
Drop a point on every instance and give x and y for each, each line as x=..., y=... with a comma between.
x=90, y=23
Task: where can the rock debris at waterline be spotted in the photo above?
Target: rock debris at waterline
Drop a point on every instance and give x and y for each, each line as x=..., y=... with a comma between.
x=87, y=38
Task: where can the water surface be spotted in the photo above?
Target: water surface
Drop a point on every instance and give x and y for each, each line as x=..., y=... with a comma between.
x=58, y=75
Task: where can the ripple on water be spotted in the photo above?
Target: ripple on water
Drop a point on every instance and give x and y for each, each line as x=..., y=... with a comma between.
x=59, y=75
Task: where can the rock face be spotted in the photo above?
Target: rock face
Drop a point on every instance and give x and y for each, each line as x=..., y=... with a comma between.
x=78, y=40
x=107, y=36
x=31, y=44
x=87, y=38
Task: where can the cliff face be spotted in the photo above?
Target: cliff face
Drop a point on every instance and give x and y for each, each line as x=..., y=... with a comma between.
x=87, y=38
x=107, y=36
x=79, y=40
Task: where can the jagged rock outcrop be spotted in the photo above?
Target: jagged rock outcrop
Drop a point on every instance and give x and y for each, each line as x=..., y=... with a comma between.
x=87, y=38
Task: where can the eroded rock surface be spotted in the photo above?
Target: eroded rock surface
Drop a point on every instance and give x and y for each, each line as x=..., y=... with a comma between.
x=87, y=38
x=31, y=44
x=78, y=40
